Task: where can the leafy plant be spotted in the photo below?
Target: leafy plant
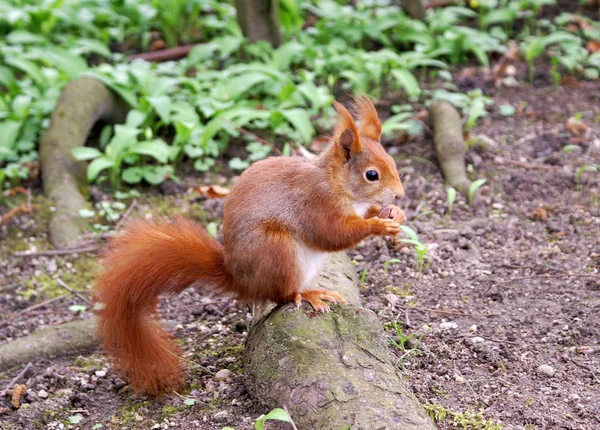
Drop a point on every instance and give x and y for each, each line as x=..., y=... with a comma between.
x=420, y=248
x=388, y=262
x=451, y=195
x=581, y=170
x=475, y=185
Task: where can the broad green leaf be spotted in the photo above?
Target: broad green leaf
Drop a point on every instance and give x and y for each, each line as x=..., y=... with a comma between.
x=156, y=148
x=201, y=53
x=301, y=122
x=407, y=81
x=155, y=175
x=75, y=419
x=412, y=235
x=72, y=65
x=189, y=402
x=9, y=132
x=87, y=213
x=7, y=77
x=162, y=106
x=30, y=69
x=133, y=175
x=507, y=110
x=23, y=37
x=277, y=414
x=124, y=138
x=86, y=153
x=86, y=46
x=238, y=164
x=98, y=165
x=233, y=88
x=204, y=164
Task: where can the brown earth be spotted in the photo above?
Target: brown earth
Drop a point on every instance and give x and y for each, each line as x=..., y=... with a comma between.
x=502, y=292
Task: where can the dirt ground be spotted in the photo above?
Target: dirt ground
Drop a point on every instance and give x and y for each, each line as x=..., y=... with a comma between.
x=502, y=328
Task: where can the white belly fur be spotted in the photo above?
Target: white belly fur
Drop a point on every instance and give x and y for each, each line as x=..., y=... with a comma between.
x=310, y=263
x=361, y=209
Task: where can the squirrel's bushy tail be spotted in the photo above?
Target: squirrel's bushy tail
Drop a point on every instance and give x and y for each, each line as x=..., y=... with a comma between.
x=147, y=259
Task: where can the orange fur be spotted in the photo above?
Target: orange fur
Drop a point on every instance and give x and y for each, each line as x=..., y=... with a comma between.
x=281, y=216
x=370, y=126
x=146, y=260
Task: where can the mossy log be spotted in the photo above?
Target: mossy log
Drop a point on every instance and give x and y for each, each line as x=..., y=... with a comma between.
x=75, y=337
x=330, y=370
x=83, y=102
x=450, y=145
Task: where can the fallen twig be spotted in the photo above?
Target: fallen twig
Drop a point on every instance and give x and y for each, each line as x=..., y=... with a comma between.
x=258, y=138
x=77, y=250
x=290, y=415
x=22, y=208
x=42, y=304
x=439, y=311
x=66, y=287
x=15, y=379
x=502, y=160
x=554, y=275
x=169, y=54
x=127, y=213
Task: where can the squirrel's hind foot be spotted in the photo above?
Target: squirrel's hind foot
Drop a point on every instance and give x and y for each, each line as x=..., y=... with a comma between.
x=316, y=299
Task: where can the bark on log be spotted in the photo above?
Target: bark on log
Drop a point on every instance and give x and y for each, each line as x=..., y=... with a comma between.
x=331, y=370
x=414, y=8
x=75, y=337
x=450, y=145
x=83, y=102
x=259, y=20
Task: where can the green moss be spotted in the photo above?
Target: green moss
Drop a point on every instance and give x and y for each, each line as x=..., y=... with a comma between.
x=126, y=415
x=466, y=420
x=402, y=292
x=220, y=351
x=87, y=363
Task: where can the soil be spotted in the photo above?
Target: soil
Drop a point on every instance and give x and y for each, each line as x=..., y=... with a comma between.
x=501, y=328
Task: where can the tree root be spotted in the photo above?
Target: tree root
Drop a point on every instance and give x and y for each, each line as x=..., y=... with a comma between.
x=83, y=102
x=330, y=370
x=450, y=145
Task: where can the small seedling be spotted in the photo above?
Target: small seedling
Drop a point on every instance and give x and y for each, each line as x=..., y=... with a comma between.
x=473, y=189
x=387, y=263
x=451, y=192
x=362, y=279
x=413, y=239
x=276, y=414
x=580, y=172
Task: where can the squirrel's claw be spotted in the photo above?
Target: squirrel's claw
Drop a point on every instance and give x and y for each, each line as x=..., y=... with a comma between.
x=316, y=299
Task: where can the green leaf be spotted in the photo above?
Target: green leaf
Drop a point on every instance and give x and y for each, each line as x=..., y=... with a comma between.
x=86, y=46
x=277, y=414
x=475, y=185
x=85, y=153
x=97, y=426
x=23, y=37
x=77, y=308
x=86, y=213
x=233, y=88
x=189, y=402
x=123, y=138
x=155, y=175
x=7, y=77
x=238, y=164
x=98, y=165
x=30, y=69
x=156, y=148
x=72, y=65
x=204, y=164
x=301, y=122
x=507, y=110
x=133, y=175
x=162, y=106
x=9, y=131
x=412, y=235
x=407, y=81
x=75, y=419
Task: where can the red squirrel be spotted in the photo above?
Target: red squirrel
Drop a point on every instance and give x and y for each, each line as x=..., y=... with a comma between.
x=281, y=219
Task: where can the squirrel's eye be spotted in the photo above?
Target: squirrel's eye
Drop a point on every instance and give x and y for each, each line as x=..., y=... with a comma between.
x=372, y=175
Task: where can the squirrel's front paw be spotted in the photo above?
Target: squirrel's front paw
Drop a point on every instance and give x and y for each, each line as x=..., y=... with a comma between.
x=394, y=213
x=385, y=227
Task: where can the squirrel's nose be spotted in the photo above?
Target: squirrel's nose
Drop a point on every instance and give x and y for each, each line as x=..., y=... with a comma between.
x=399, y=193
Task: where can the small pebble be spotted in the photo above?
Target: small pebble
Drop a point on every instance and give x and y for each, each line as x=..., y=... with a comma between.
x=101, y=373
x=477, y=339
x=448, y=325
x=42, y=394
x=221, y=416
x=547, y=370
x=392, y=299
x=224, y=374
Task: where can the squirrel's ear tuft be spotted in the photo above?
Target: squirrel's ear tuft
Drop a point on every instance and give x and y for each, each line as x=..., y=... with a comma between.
x=345, y=134
x=370, y=126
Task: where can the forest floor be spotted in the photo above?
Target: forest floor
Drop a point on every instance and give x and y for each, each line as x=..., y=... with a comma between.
x=505, y=316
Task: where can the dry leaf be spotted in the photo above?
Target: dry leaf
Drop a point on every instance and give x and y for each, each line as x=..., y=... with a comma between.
x=4, y=411
x=539, y=214
x=576, y=127
x=212, y=191
x=18, y=391
x=157, y=45
x=569, y=81
x=592, y=46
